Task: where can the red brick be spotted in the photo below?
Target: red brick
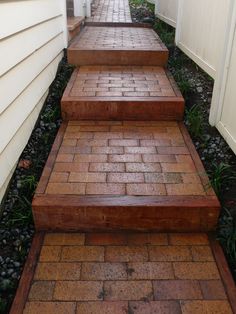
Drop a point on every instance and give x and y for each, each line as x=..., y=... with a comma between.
x=103, y=271
x=126, y=254
x=173, y=150
x=67, y=150
x=78, y=290
x=50, y=254
x=125, y=158
x=102, y=307
x=184, y=159
x=143, y=167
x=94, y=128
x=106, y=239
x=108, y=135
x=159, y=158
x=190, y=178
x=202, y=254
x=150, y=271
x=209, y=307
x=185, y=189
x=140, y=150
x=213, y=290
x=146, y=189
x=59, y=177
x=178, y=167
x=128, y=290
x=92, y=142
x=107, y=167
x=58, y=271
x=69, y=142
x=105, y=189
x=66, y=188
x=176, y=290
x=64, y=158
x=49, y=307
x=41, y=291
x=64, y=239
x=159, y=142
x=169, y=253
x=196, y=270
x=123, y=143
x=158, y=307
x=82, y=253
x=147, y=238
x=71, y=167
x=125, y=177
x=163, y=178
x=87, y=177
x=78, y=135
x=137, y=135
x=108, y=150
x=90, y=158
x=189, y=239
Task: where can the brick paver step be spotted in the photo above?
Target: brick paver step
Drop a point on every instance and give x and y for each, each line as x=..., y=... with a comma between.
x=120, y=273
x=117, y=46
x=122, y=92
x=110, y=11
x=124, y=175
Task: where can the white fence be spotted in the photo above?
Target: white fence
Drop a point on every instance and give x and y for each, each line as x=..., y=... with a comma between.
x=32, y=37
x=205, y=31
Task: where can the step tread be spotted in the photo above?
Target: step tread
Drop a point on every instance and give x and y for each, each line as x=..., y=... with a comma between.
x=117, y=38
x=142, y=167
x=74, y=22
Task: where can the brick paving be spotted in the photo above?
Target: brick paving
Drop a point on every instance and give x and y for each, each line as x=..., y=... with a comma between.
x=120, y=273
x=118, y=38
x=126, y=82
x=124, y=158
x=110, y=11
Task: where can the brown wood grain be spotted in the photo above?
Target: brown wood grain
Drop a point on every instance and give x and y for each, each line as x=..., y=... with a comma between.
x=224, y=270
x=27, y=275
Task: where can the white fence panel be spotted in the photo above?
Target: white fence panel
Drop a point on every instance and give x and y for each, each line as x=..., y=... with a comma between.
x=201, y=30
x=167, y=11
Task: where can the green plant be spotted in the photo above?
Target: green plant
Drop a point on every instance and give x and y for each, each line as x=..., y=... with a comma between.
x=195, y=121
x=21, y=214
x=227, y=234
x=221, y=176
x=3, y=306
x=165, y=32
x=29, y=183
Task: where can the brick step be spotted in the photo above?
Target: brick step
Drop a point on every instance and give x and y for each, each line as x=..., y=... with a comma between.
x=122, y=92
x=117, y=46
x=74, y=26
x=124, y=175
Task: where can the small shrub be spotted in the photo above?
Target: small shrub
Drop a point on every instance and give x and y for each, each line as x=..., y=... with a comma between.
x=221, y=176
x=195, y=121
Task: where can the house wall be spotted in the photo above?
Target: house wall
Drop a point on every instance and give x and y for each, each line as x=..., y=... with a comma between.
x=33, y=35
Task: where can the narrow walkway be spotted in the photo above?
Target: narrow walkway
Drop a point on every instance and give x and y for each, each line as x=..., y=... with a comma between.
x=105, y=173
x=127, y=273
x=110, y=11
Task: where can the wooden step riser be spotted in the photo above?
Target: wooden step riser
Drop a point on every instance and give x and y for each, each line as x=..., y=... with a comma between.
x=117, y=57
x=159, y=219
x=171, y=110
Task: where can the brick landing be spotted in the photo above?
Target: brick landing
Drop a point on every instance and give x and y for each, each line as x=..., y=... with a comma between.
x=110, y=11
x=124, y=273
x=117, y=46
x=124, y=175
x=122, y=92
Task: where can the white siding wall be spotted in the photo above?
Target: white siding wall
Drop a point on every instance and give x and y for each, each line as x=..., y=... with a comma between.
x=32, y=37
x=167, y=11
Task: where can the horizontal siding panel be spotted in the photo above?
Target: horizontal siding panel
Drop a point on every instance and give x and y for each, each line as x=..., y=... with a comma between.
x=24, y=104
x=33, y=38
x=3, y=188
x=13, y=150
x=16, y=80
x=16, y=16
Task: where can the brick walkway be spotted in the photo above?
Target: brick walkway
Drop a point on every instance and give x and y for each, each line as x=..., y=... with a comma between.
x=115, y=11
x=127, y=273
x=124, y=158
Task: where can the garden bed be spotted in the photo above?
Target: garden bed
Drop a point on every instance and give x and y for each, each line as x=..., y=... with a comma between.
x=217, y=157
